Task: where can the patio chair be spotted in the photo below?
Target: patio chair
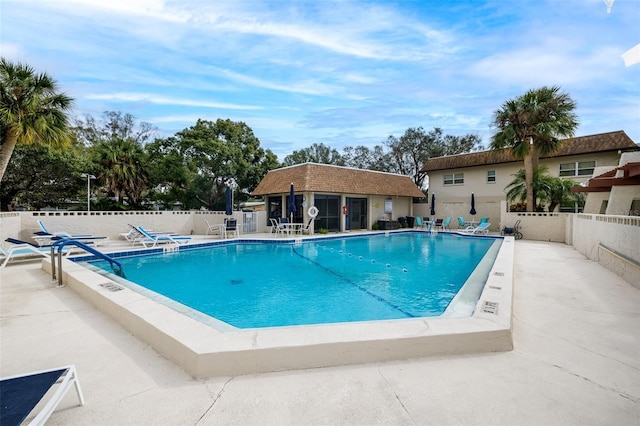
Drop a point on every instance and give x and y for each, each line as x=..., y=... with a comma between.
x=482, y=228
x=214, y=229
x=438, y=224
x=152, y=240
x=446, y=223
x=276, y=228
x=20, y=394
x=230, y=226
x=461, y=223
x=305, y=228
x=24, y=250
x=484, y=220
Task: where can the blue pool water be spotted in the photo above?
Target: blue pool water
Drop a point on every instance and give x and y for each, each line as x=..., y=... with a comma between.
x=249, y=285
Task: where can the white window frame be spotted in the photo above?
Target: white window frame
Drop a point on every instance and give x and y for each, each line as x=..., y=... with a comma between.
x=491, y=178
x=577, y=168
x=453, y=179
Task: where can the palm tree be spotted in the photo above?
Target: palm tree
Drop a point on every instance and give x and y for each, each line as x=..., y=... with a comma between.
x=517, y=188
x=122, y=171
x=546, y=189
x=531, y=125
x=31, y=110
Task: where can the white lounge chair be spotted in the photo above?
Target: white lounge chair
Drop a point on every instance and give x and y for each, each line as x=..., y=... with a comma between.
x=20, y=394
x=152, y=240
x=482, y=228
x=24, y=250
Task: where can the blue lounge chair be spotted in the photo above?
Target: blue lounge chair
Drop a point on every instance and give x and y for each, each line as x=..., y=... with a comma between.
x=44, y=236
x=446, y=223
x=461, y=223
x=152, y=240
x=482, y=228
x=20, y=394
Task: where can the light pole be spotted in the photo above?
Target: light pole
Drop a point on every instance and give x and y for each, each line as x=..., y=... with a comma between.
x=89, y=177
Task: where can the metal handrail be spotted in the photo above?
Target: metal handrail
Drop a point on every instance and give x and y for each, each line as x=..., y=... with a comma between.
x=61, y=243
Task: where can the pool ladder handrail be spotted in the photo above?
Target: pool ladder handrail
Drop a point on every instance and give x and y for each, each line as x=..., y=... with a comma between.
x=61, y=243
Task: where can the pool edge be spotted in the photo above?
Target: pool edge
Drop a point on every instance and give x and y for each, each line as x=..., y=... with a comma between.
x=205, y=352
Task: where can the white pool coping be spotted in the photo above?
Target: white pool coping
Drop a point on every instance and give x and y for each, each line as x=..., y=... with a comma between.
x=204, y=351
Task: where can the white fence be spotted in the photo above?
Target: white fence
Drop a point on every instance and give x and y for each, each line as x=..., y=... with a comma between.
x=23, y=225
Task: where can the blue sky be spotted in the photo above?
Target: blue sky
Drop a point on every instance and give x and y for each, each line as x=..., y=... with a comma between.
x=333, y=72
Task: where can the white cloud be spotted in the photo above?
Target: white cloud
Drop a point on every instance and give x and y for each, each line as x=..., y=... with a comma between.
x=162, y=100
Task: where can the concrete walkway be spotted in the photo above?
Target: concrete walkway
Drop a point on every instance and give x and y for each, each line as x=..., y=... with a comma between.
x=576, y=362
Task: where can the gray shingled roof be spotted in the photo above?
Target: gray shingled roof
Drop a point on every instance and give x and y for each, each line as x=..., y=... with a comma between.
x=602, y=142
x=312, y=177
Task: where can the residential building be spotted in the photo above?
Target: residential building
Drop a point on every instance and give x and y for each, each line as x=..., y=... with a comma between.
x=346, y=198
x=486, y=174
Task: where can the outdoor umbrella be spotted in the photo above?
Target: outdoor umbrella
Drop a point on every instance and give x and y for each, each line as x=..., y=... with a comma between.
x=229, y=206
x=292, y=202
x=472, y=212
x=433, y=204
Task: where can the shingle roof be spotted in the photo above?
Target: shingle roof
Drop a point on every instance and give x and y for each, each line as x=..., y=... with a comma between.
x=312, y=177
x=602, y=142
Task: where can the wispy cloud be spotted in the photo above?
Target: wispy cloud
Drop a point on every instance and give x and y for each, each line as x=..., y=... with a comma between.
x=344, y=72
x=162, y=100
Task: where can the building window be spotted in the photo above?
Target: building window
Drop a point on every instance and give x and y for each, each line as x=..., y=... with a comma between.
x=454, y=179
x=578, y=168
x=491, y=176
x=329, y=212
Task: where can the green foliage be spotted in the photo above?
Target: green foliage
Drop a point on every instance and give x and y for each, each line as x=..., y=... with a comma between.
x=121, y=169
x=31, y=110
x=42, y=176
x=196, y=165
x=316, y=153
x=531, y=125
x=405, y=155
x=323, y=231
x=411, y=151
x=114, y=125
x=548, y=191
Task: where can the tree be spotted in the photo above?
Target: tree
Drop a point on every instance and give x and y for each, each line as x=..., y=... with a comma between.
x=316, y=153
x=43, y=176
x=547, y=190
x=517, y=188
x=31, y=110
x=410, y=152
x=531, y=125
x=361, y=157
x=195, y=166
x=121, y=169
x=113, y=126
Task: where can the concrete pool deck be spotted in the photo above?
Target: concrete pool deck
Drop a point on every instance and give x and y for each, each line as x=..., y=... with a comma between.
x=576, y=360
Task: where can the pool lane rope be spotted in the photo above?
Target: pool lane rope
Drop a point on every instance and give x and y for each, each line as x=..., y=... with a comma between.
x=359, y=287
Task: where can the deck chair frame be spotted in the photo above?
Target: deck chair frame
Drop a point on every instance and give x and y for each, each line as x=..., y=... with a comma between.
x=68, y=378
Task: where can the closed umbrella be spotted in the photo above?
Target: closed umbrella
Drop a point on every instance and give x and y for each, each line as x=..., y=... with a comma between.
x=433, y=204
x=292, y=202
x=472, y=212
x=229, y=206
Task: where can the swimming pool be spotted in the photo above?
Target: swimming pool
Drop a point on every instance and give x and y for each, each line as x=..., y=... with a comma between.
x=250, y=284
x=205, y=348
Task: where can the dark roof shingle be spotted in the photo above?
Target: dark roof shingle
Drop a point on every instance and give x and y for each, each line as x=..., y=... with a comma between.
x=602, y=142
x=312, y=177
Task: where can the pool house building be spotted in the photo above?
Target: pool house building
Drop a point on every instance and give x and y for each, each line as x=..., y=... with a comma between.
x=346, y=198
